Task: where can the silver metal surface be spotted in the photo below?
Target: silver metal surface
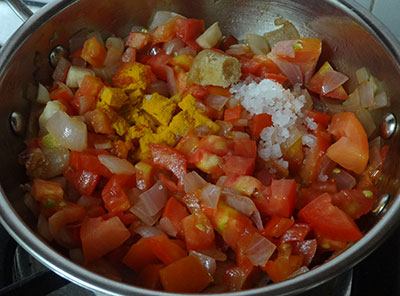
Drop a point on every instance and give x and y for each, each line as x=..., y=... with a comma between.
x=56, y=53
x=17, y=122
x=20, y=9
x=381, y=204
x=352, y=39
x=389, y=125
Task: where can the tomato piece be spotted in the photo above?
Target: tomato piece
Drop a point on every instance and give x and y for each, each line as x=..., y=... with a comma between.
x=197, y=91
x=165, y=249
x=121, y=148
x=188, y=144
x=282, y=267
x=307, y=249
x=294, y=155
x=247, y=185
x=144, y=175
x=215, y=144
x=207, y=162
x=70, y=213
x=140, y=255
x=218, y=91
x=101, y=122
x=233, y=114
x=199, y=233
x=60, y=94
x=296, y=233
x=88, y=161
x=227, y=42
x=282, y=200
x=149, y=277
x=93, y=52
x=165, y=32
x=90, y=86
x=354, y=203
x=276, y=226
x=169, y=158
x=158, y=64
x=175, y=212
x=351, y=149
x=329, y=220
x=113, y=194
x=191, y=268
x=43, y=189
x=100, y=237
x=276, y=77
x=328, y=244
x=258, y=123
x=189, y=29
x=319, y=117
x=85, y=182
x=138, y=40
x=244, y=147
x=238, y=165
x=183, y=61
x=316, y=82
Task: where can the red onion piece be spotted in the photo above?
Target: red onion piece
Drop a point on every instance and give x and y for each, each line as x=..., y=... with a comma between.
x=202, y=131
x=241, y=122
x=173, y=46
x=117, y=165
x=332, y=80
x=215, y=253
x=155, y=198
x=325, y=168
x=256, y=218
x=160, y=87
x=140, y=210
x=221, y=180
x=207, y=261
x=259, y=250
x=167, y=226
x=366, y=92
x=292, y=71
x=239, y=135
x=171, y=81
x=187, y=50
x=215, y=101
x=284, y=48
x=147, y=231
x=241, y=203
x=225, y=128
x=375, y=158
x=238, y=50
x=193, y=181
x=381, y=100
x=77, y=40
x=344, y=180
x=107, y=73
x=210, y=195
x=60, y=69
x=299, y=271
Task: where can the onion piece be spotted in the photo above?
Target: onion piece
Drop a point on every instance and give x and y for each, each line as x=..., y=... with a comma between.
x=167, y=226
x=57, y=160
x=210, y=195
x=140, y=210
x=375, y=158
x=259, y=250
x=284, y=48
x=344, y=180
x=69, y=132
x=187, y=50
x=115, y=48
x=43, y=228
x=238, y=50
x=256, y=218
x=107, y=73
x=210, y=37
x=51, y=108
x=43, y=95
x=215, y=101
x=241, y=122
x=332, y=80
x=65, y=88
x=290, y=70
x=77, y=40
x=76, y=74
x=225, y=128
x=193, y=181
x=173, y=46
x=160, y=87
x=161, y=17
x=325, y=168
x=362, y=75
x=171, y=81
x=366, y=92
x=299, y=271
x=62, y=66
x=367, y=121
x=381, y=100
x=352, y=104
x=207, y=261
x=155, y=198
x=239, y=135
x=215, y=253
x=103, y=145
x=32, y=204
x=241, y=203
x=203, y=131
x=117, y=165
x=257, y=44
x=97, y=35
x=147, y=231
x=221, y=180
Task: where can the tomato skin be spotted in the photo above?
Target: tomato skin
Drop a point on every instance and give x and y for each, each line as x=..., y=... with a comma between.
x=100, y=237
x=282, y=200
x=209, y=163
x=232, y=114
x=85, y=182
x=113, y=194
x=353, y=202
x=198, y=231
x=243, y=166
x=189, y=29
x=258, y=123
x=276, y=226
x=329, y=220
x=351, y=150
x=93, y=52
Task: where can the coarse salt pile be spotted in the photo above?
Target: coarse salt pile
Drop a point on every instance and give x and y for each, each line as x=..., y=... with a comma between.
x=285, y=108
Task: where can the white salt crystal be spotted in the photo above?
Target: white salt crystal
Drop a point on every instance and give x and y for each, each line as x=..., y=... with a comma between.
x=310, y=123
x=309, y=140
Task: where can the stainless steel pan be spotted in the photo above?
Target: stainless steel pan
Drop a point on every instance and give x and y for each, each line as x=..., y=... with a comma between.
x=352, y=38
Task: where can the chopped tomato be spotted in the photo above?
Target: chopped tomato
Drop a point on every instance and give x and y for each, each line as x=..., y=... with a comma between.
x=233, y=114
x=316, y=82
x=276, y=226
x=328, y=244
x=244, y=147
x=60, y=94
x=329, y=220
x=351, y=149
x=165, y=32
x=247, y=185
x=215, y=144
x=319, y=117
x=175, y=212
x=307, y=249
x=282, y=267
x=113, y=194
x=189, y=29
x=138, y=40
x=190, y=268
x=183, y=61
x=238, y=165
x=140, y=255
x=169, y=158
x=282, y=200
x=218, y=91
x=144, y=175
x=85, y=182
x=149, y=277
x=197, y=91
x=294, y=155
x=209, y=163
x=93, y=52
x=296, y=233
x=49, y=194
x=165, y=249
x=198, y=231
x=158, y=64
x=258, y=123
x=121, y=148
x=188, y=144
x=354, y=203
x=100, y=236
x=90, y=87
x=70, y=213
x=88, y=161
x=101, y=122
x=276, y=77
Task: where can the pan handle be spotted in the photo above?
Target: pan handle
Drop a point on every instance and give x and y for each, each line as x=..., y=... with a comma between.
x=20, y=9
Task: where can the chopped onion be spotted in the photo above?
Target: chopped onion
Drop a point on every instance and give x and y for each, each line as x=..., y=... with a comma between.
x=106, y=144
x=332, y=80
x=115, y=49
x=225, y=128
x=232, y=102
x=362, y=75
x=215, y=101
x=62, y=66
x=160, y=87
x=256, y=218
x=215, y=253
x=380, y=101
x=299, y=271
x=258, y=44
x=76, y=74
x=352, y=104
x=290, y=70
x=202, y=131
x=241, y=122
x=221, y=180
x=238, y=50
x=117, y=165
x=284, y=48
x=210, y=37
x=367, y=121
x=155, y=198
x=193, y=181
x=210, y=195
x=69, y=132
x=173, y=46
x=43, y=95
x=239, y=135
x=171, y=81
x=167, y=226
x=147, y=231
x=207, y=261
x=106, y=73
x=259, y=250
x=241, y=203
x=65, y=88
x=140, y=210
x=187, y=50
x=333, y=107
x=161, y=17
x=344, y=180
x=43, y=228
x=366, y=92
x=57, y=160
x=375, y=158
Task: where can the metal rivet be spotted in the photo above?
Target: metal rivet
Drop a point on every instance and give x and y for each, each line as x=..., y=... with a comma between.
x=389, y=125
x=56, y=53
x=17, y=122
x=380, y=204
